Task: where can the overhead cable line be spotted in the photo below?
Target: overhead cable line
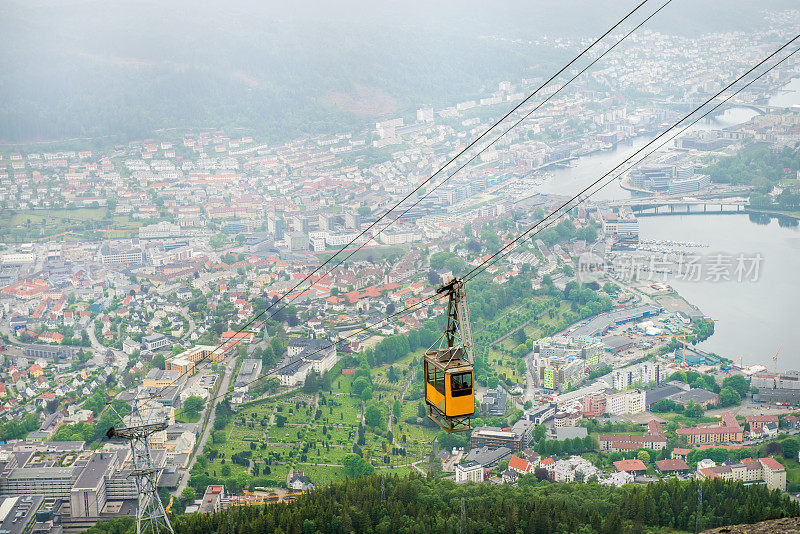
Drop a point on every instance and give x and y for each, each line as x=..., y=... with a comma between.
x=580, y=198
x=230, y=344
x=494, y=257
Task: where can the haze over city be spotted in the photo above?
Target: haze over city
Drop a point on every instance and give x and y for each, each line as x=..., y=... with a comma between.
x=521, y=266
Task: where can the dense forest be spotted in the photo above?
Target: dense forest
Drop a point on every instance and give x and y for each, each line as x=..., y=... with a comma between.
x=418, y=505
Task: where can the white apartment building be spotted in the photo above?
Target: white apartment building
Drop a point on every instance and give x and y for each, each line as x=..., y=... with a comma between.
x=159, y=230
x=626, y=402
x=652, y=372
x=18, y=258
x=469, y=472
x=642, y=374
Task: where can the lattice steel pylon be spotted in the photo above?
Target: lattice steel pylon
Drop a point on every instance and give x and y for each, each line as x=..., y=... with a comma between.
x=151, y=518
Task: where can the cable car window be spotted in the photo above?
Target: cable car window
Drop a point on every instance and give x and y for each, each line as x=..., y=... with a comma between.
x=461, y=384
x=438, y=380
x=434, y=377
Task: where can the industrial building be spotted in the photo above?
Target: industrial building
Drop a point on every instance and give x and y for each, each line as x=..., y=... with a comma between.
x=600, y=324
x=517, y=438
x=88, y=484
x=782, y=388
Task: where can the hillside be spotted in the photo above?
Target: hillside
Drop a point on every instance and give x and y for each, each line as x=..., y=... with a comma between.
x=86, y=69
x=785, y=525
x=415, y=504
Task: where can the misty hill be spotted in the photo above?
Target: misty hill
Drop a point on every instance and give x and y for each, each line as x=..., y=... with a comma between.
x=282, y=69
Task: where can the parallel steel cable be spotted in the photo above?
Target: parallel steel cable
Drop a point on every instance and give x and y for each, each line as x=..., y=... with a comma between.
x=579, y=197
x=230, y=344
x=497, y=255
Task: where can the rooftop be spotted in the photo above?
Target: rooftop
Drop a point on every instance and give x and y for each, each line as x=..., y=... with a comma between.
x=630, y=465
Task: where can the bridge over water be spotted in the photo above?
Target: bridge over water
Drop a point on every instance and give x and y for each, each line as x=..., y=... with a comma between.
x=645, y=206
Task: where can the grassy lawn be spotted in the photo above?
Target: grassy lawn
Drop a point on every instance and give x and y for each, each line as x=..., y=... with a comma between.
x=322, y=475
x=318, y=443
x=792, y=470
x=504, y=365
x=22, y=224
x=183, y=417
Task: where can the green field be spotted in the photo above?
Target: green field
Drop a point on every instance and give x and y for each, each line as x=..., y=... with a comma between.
x=82, y=223
x=317, y=431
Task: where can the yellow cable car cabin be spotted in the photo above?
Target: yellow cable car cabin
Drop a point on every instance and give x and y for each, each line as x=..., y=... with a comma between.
x=449, y=390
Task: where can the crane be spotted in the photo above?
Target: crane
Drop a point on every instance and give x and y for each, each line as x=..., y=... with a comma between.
x=684, y=337
x=62, y=234
x=775, y=359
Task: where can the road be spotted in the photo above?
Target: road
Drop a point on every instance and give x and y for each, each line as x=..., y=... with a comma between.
x=120, y=358
x=211, y=414
x=188, y=316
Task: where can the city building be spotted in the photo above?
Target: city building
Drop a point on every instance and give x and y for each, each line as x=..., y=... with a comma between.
x=155, y=341
x=756, y=422
x=641, y=374
x=624, y=227
x=206, y=353
x=767, y=470
x=469, y=471
x=589, y=350
x=159, y=230
x=630, y=401
x=158, y=378
x=557, y=373
x=517, y=438
x=541, y=413
x=183, y=367
x=654, y=440
x=670, y=179
x=84, y=480
x=494, y=402
x=50, y=352
x=593, y=405
x=727, y=431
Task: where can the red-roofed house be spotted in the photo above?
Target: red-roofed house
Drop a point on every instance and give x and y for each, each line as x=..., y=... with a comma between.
x=35, y=370
x=672, y=465
x=680, y=453
x=520, y=465
x=230, y=335
x=630, y=466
